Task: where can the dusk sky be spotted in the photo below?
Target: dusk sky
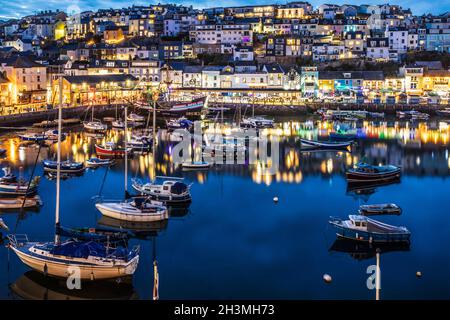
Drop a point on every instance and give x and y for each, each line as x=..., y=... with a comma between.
x=15, y=9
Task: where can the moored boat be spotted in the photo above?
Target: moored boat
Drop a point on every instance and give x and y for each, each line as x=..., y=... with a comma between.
x=326, y=144
x=133, y=117
x=137, y=209
x=378, y=209
x=11, y=186
x=184, y=108
x=95, y=126
x=111, y=149
x=65, y=166
x=171, y=190
x=181, y=123
x=96, y=162
x=364, y=172
x=257, y=123
x=444, y=112
x=35, y=137
x=20, y=202
x=195, y=165
x=361, y=228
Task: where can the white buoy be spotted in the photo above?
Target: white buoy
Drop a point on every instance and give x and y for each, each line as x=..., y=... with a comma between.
x=418, y=274
x=275, y=199
x=327, y=278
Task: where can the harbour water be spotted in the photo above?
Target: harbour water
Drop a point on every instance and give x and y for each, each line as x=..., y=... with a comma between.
x=234, y=241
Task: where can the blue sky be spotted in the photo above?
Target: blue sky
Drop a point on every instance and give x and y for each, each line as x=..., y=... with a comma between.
x=10, y=9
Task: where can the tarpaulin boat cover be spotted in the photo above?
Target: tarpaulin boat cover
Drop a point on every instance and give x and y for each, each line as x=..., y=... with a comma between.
x=77, y=249
x=178, y=188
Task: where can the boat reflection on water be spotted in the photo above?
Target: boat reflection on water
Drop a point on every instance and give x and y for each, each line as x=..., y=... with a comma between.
x=139, y=230
x=365, y=250
x=34, y=285
x=178, y=212
x=363, y=190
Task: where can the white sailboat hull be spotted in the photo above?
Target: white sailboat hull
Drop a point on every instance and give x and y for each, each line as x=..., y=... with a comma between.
x=87, y=271
x=116, y=211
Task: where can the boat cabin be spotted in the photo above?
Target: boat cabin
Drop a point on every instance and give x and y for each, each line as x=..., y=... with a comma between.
x=358, y=222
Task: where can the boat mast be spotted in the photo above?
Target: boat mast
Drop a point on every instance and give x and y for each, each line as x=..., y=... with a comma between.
x=58, y=164
x=126, y=152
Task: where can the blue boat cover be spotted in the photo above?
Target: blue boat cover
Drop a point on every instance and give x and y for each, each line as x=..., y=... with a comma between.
x=179, y=188
x=83, y=249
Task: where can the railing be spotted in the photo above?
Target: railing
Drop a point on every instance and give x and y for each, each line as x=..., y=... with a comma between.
x=17, y=240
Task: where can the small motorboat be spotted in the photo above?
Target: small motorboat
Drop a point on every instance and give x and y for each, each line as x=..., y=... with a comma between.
x=364, y=172
x=181, y=123
x=257, y=123
x=444, y=112
x=138, y=210
x=95, y=126
x=20, y=202
x=35, y=137
x=361, y=228
x=326, y=144
x=171, y=191
x=96, y=162
x=338, y=135
x=65, y=166
x=133, y=117
x=111, y=149
x=52, y=136
x=118, y=124
x=195, y=165
x=11, y=186
x=378, y=209
x=140, y=143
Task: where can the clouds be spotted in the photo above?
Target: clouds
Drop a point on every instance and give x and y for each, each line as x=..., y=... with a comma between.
x=11, y=9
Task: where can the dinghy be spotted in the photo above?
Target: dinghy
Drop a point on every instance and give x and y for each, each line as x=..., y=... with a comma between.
x=195, y=165
x=20, y=202
x=66, y=166
x=378, y=209
x=364, y=172
x=96, y=162
x=118, y=124
x=35, y=137
x=95, y=126
x=326, y=144
x=361, y=228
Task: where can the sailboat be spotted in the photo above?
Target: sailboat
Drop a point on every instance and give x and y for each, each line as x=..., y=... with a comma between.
x=94, y=125
x=93, y=260
x=137, y=209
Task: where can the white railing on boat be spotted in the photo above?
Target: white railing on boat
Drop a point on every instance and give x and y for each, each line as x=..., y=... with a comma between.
x=17, y=239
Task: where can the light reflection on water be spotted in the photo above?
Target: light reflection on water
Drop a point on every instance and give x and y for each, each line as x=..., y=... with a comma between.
x=235, y=242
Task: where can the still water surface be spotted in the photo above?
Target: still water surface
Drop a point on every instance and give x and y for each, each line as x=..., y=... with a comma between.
x=235, y=242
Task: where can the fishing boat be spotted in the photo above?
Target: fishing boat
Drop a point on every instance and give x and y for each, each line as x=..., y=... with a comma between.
x=195, y=165
x=92, y=260
x=35, y=137
x=133, y=117
x=364, y=172
x=257, y=123
x=170, y=190
x=444, y=112
x=361, y=228
x=65, y=166
x=326, y=144
x=111, y=149
x=378, y=209
x=181, y=123
x=20, y=202
x=136, y=209
x=10, y=185
x=96, y=162
x=95, y=126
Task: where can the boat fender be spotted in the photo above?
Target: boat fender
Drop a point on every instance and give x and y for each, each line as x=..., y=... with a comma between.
x=327, y=278
x=275, y=199
x=370, y=240
x=45, y=269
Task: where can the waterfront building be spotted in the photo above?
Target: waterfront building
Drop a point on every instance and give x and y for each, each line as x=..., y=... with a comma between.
x=28, y=80
x=309, y=81
x=97, y=89
x=438, y=33
x=222, y=33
